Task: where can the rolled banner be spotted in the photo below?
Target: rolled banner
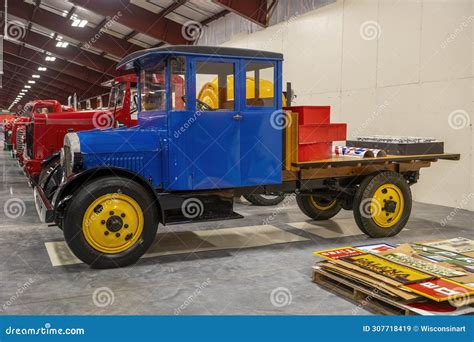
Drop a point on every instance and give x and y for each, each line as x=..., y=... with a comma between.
x=359, y=152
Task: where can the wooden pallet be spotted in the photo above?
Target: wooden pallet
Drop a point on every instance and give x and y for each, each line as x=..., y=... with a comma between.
x=363, y=297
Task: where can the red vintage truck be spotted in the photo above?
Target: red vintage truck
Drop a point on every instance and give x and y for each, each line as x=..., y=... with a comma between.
x=45, y=131
x=25, y=117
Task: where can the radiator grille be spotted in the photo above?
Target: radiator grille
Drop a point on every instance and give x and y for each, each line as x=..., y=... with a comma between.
x=20, y=133
x=29, y=141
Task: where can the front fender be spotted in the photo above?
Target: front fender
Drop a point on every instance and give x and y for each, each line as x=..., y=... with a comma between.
x=66, y=190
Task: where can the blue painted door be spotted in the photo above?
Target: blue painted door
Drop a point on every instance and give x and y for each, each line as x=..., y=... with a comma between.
x=216, y=128
x=262, y=123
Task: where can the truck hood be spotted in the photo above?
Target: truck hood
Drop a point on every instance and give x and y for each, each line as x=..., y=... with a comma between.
x=119, y=140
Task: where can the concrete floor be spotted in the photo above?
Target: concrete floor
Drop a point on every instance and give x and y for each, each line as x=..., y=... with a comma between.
x=226, y=282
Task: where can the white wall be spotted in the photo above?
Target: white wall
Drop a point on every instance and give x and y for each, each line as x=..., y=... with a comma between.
x=406, y=82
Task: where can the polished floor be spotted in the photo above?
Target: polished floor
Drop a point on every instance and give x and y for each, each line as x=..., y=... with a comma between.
x=236, y=278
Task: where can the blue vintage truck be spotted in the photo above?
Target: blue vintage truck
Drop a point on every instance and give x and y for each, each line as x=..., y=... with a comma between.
x=190, y=155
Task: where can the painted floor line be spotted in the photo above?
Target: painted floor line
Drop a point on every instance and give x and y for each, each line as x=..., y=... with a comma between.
x=174, y=243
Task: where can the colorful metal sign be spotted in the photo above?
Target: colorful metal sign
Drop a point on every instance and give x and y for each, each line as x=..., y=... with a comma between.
x=400, y=273
x=337, y=253
x=441, y=255
x=375, y=248
x=441, y=289
x=457, y=245
x=423, y=265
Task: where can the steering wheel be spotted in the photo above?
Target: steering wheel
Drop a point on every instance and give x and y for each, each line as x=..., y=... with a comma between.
x=200, y=105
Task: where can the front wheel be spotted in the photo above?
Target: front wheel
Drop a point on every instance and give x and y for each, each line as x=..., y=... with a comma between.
x=382, y=204
x=318, y=208
x=110, y=222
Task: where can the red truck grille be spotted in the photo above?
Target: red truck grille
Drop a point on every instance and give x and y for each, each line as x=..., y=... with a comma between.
x=20, y=134
x=29, y=140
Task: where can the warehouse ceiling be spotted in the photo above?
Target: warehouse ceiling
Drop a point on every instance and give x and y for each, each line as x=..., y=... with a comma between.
x=55, y=48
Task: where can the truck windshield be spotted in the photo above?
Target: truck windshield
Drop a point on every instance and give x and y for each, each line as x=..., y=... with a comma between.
x=117, y=94
x=27, y=111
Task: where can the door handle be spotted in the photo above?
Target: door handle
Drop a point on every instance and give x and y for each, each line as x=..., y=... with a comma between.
x=237, y=117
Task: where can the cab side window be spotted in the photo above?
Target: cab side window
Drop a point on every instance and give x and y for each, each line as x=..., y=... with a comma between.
x=214, y=86
x=260, y=84
x=153, y=89
x=178, y=83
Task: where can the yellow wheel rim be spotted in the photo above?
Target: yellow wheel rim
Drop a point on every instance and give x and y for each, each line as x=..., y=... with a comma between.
x=387, y=205
x=322, y=205
x=113, y=223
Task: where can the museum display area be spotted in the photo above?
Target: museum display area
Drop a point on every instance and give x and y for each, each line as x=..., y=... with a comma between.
x=227, y=164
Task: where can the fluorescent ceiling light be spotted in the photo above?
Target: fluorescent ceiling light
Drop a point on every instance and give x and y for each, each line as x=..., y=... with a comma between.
x=50, y=58
x=27, y=87
x=42, y=69
x=35, y=76
x=78, y=22
x=31, y=82
x=62, y=44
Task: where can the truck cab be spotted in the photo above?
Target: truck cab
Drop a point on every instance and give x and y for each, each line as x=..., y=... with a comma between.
x=188, y=151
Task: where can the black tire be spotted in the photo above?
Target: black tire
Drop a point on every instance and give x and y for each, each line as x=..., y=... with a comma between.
x=84, y=197
x=264, y=200
x=364, y=216
x=47, y=169
x=318, y=208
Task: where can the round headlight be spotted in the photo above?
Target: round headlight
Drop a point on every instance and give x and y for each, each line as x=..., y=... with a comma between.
x=70, y=154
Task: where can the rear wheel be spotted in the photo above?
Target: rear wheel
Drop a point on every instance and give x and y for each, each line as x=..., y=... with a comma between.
x=264, y=200
x=318, y=208
x=110, y=222
x=382, y=204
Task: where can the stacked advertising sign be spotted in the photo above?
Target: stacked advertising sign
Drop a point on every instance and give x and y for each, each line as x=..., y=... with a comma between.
x=425, y=278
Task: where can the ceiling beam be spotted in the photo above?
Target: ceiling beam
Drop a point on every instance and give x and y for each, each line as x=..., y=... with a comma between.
x=255, y=10
x=52, y=75
x=87, y=75
x=215, y=17
x=57, y=23
x=25, y=75
x=16, y=85
x=155, y=25
x=71, y=53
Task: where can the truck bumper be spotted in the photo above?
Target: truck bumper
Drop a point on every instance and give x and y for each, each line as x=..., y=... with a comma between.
x=43, y=206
